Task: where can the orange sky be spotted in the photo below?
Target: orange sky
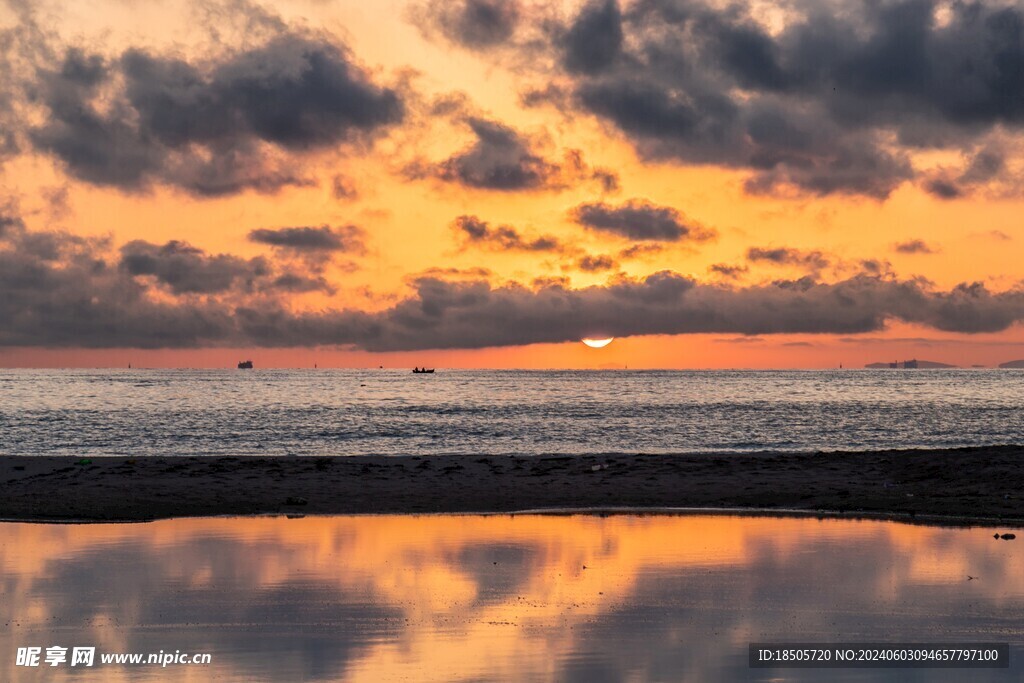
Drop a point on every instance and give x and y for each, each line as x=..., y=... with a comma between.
x=408, y=222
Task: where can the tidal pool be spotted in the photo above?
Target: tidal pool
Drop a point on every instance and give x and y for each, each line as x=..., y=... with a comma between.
x=511, y=597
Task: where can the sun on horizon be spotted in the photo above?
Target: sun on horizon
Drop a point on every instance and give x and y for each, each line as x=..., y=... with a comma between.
x=488, y=181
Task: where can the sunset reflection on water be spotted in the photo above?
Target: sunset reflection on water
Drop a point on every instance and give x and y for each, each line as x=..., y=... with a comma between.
x=525, y=597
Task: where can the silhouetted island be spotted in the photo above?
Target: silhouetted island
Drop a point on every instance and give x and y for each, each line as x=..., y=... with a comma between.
x=1012, y=364
x=909, y=365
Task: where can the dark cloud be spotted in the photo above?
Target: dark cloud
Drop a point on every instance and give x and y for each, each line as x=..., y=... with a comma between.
x=727, y=271
x=323, y=238
x=609, y=180
x=472, y=315
x=551, y=281
x=499, y=159
x=475, y=231
x=503, y=159
x=8, y=223
x=835, y=100
x=184, y=269
x=57, y=290
x=814, y=260
x=875, y=266
x=638, y=219
x=943, y=188
x=781, y=148
x=985, y=166
x=551, y=94
x=638, y=251
x=298, y=283
x=477, y=24
x=453, y=104
x=914, y=247
x=295, y=92
x=81, y=300
x=594, y=40
x=8, y=143
x=210, y=129
x=594, y=264
x=344, y=188
x=451, y=273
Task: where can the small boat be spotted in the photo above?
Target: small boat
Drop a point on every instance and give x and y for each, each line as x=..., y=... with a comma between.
x=245, y=365
x=423, y=371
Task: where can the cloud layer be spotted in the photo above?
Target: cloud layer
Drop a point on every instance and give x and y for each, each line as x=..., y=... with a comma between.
x=815, y=98
x=476, y=24
x=813, y=260
x=60, y=290
x=209, y=128
x=503, y=159
x=307, y=239
x=836, y=99
x=640, y=220
x=472, y=230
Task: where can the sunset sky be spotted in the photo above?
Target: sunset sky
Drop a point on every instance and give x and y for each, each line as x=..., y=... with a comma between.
x=483, y=183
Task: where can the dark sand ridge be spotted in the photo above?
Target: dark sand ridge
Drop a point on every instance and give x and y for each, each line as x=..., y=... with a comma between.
x=969, y=484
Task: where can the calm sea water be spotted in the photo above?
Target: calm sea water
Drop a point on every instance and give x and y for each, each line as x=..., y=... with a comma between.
x=500, y=598
x=347, y=412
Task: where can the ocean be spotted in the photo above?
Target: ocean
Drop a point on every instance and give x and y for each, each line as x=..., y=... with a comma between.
x=356, y=412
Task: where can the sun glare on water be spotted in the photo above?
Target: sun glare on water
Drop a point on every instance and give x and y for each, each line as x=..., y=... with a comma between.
x=598, y=343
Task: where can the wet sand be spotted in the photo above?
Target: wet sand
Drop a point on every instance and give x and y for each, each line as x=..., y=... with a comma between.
x=979, y=484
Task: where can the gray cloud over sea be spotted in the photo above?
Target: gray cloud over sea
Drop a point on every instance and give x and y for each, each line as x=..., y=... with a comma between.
x=834, y=98
x=57, y=290
x=639, y=220
x=210, y=127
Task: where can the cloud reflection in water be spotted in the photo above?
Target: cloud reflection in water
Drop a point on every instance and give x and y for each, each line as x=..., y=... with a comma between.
x=499, y=597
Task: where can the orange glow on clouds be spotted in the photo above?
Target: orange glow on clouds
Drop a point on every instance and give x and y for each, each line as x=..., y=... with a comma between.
x=409, y=223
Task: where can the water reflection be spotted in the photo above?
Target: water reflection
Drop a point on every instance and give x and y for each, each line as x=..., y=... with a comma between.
x=483, y=598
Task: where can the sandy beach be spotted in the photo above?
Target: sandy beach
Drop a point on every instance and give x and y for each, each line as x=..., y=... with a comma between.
x=968, y=484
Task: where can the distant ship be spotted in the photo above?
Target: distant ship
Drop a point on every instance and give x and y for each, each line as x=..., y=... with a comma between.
x=245, y=365
x=423, y=371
